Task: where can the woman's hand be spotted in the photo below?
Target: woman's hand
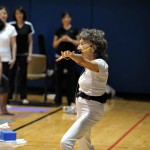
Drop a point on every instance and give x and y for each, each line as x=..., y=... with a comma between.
x=64, y=55
x=29, y=59
x=66, y=38
x=11, y=63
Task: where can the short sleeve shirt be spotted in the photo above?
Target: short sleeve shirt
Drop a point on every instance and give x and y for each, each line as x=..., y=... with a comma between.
x=5, y=39
x=94, y=83
x=72, y=32
x=22, y=37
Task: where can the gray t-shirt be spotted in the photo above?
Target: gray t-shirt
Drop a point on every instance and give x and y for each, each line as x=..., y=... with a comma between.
x=94, y=83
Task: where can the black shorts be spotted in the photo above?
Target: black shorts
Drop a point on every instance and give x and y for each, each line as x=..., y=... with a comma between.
x=4, y=85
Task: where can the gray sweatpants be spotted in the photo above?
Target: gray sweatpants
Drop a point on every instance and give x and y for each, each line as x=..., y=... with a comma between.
x=89, y=113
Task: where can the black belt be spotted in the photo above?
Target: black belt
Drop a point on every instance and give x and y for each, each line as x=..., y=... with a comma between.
x=101, y=99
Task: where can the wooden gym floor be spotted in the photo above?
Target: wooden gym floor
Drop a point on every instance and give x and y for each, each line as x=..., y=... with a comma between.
x=125, y=126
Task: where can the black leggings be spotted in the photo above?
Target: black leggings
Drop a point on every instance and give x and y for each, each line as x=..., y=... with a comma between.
x=21, y=63
x=69, y=79
x=4, y=85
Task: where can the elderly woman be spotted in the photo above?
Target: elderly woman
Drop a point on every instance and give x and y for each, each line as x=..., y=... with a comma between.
x=91, y=94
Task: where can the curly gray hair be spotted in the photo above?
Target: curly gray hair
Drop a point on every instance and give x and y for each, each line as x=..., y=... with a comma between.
x=97, y=38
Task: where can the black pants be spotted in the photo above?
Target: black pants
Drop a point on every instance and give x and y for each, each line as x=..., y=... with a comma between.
x=20, y=66
x=6, y=73
x=4, y=85
x=5, y=69
x=69, y=79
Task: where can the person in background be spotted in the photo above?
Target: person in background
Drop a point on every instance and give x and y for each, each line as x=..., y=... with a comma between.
x=65, y=38
x=7, y=43
x=3, y=83
x=24, y=41
x=91, y=94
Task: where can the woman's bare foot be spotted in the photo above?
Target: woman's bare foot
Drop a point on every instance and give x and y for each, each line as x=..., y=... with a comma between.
x=6, y=113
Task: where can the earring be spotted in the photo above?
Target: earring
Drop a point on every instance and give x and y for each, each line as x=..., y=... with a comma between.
x=92, y=51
